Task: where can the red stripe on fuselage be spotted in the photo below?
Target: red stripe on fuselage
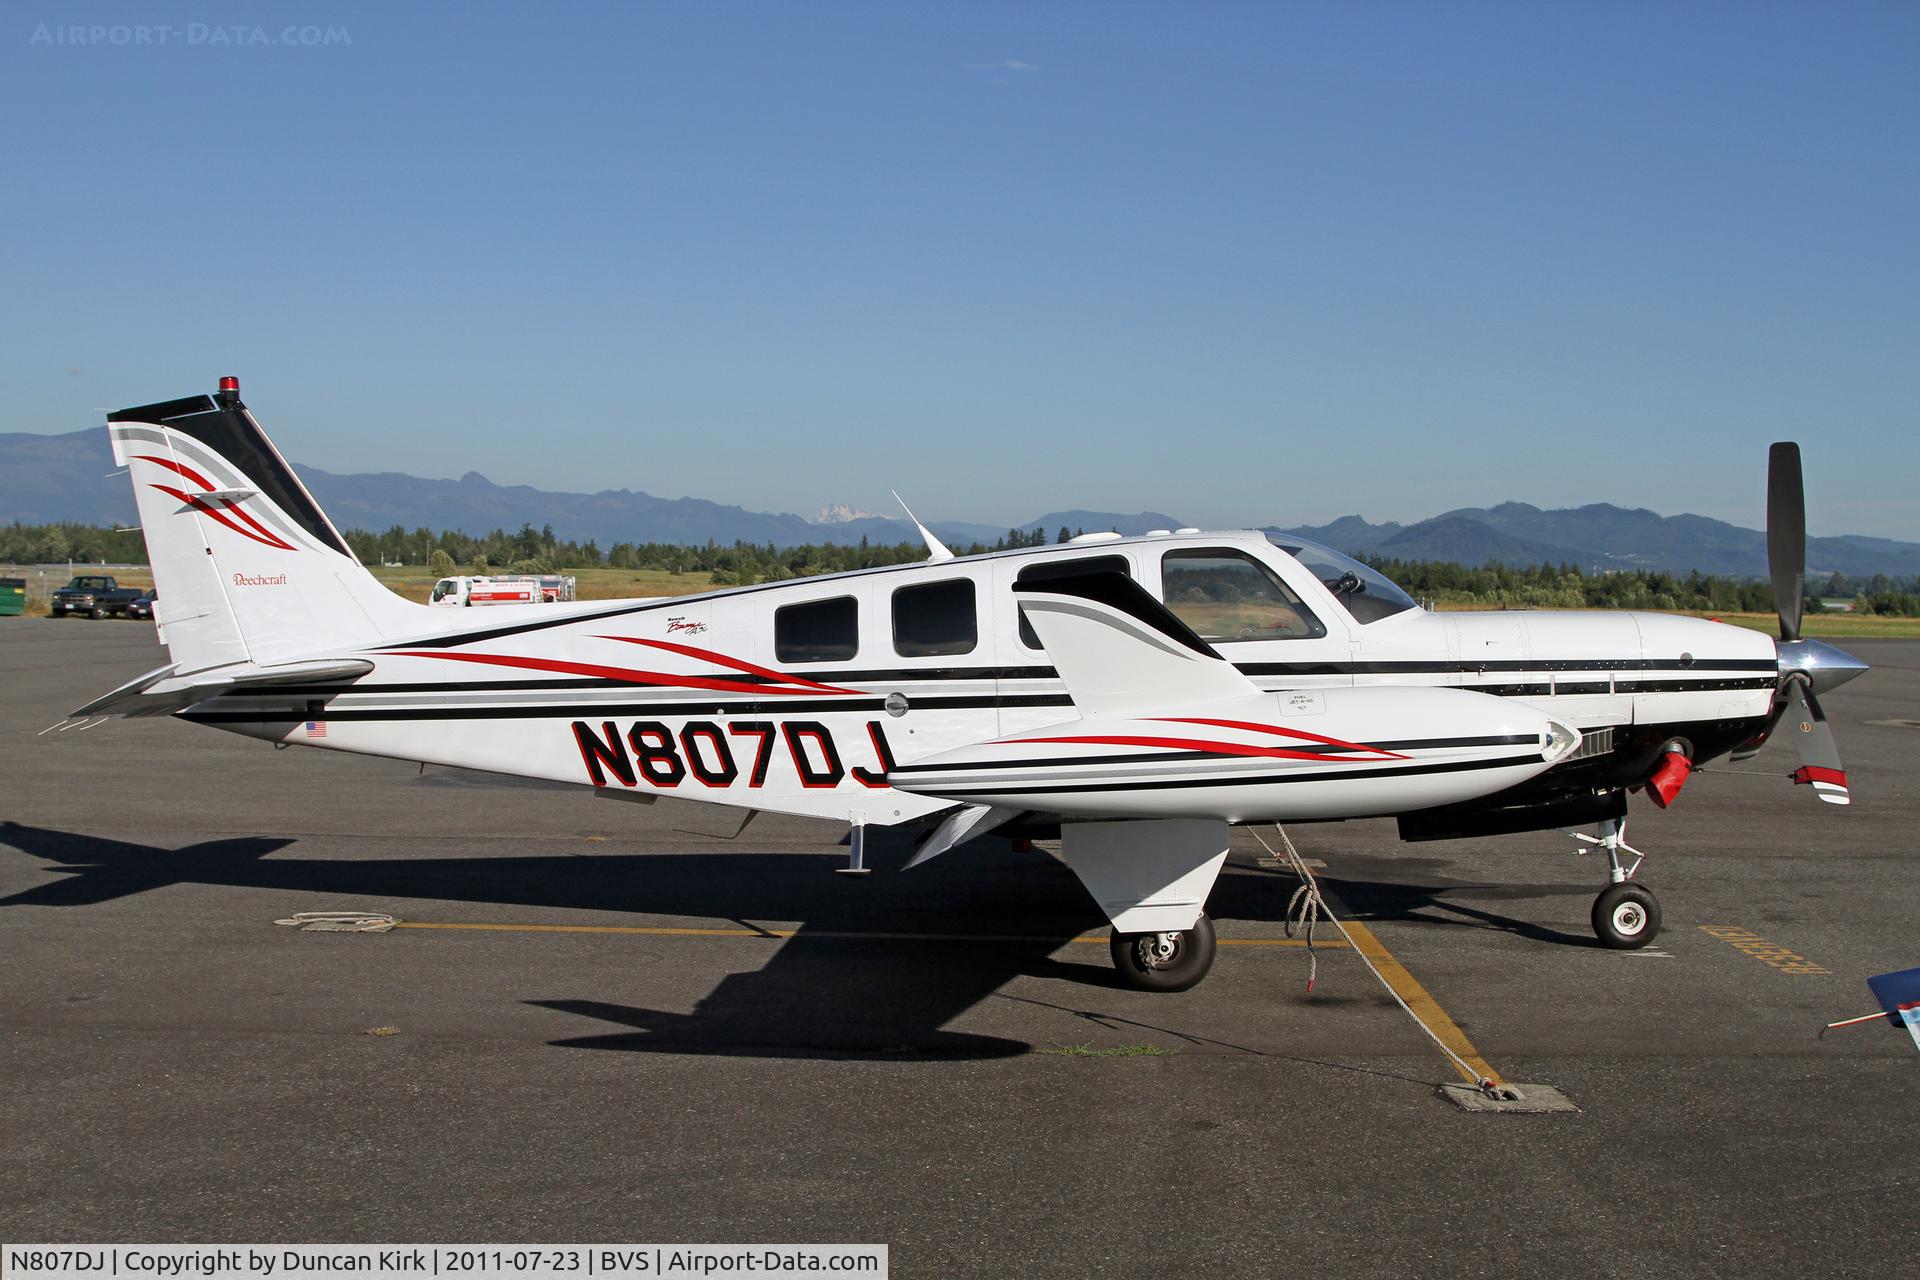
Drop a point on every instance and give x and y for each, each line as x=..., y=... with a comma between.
x=1197, y=744
x=1280, y=732
x=659, y=678
x=736, y=664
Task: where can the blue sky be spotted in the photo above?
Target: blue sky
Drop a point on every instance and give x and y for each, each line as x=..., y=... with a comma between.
x=1243, y=263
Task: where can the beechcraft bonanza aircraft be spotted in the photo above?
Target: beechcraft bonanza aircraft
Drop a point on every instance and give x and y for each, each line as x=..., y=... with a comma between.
x=1138, y=695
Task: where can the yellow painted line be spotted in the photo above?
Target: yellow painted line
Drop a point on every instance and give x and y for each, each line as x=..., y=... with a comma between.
x=1769, y=953
x=600, y=928
x=1408, y=988
x=676, y=932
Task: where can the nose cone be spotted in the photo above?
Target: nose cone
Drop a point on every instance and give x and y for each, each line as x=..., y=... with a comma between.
x=1825, y=666
x=1561, y=740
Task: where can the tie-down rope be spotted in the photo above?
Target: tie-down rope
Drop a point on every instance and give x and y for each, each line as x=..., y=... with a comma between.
x=1307, y=904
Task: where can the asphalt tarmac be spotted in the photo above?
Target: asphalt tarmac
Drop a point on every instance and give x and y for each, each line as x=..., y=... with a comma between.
x=721, y=1049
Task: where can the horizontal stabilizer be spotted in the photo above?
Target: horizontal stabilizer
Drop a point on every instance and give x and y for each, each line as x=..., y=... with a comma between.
x=161, y=692
x=1119, y=650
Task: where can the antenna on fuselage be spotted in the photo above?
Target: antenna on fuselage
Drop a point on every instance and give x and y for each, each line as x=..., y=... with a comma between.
x=936, y=549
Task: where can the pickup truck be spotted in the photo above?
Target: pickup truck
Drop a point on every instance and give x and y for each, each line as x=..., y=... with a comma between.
x=95, y=595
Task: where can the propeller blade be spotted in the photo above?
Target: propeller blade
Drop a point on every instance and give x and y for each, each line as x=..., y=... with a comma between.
x=1786, y=535
x=1813, y=739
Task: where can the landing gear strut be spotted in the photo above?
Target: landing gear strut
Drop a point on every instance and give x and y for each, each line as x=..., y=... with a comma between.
x=1626, y=916
x=1174, y=961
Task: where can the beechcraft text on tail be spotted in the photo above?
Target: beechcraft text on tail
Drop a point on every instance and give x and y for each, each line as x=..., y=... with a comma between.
x=1137, y=696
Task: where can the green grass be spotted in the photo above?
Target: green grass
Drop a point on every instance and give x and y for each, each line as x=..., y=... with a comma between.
x=415, y=582
x=1827, y=625
x=1818, y=626
x=1115, y=1051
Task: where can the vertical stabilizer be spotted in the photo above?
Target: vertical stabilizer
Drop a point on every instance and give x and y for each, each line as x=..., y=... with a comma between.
x=247, y=566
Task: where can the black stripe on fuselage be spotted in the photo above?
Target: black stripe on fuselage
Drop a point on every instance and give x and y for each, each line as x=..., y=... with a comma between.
x=1253, y=780
x=938, y=675
x=695, y=705
x=1146, y=757
x=789, y=707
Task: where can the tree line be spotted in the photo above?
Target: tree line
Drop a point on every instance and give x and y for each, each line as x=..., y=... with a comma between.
x=533, y=550
x=1567, y=586
x=530, y=550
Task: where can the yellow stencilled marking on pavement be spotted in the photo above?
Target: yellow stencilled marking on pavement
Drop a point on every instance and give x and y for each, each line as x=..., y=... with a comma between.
x=1408, y=988
x=676, y=932
x=1770, y=953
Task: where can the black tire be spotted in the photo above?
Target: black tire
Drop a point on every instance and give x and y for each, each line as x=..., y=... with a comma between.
x=1626, y=917
x=96, y=613
x=1165, y=961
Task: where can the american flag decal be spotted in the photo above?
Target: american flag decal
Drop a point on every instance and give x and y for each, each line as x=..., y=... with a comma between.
x=316, y=728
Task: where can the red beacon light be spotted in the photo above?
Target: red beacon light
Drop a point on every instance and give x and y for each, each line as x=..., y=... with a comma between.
x=229, y=391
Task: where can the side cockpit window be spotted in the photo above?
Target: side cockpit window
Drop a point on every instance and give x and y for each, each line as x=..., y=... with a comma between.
x=1226, y=595
x=935, y=618
x=1053, y=567
x=818, y=631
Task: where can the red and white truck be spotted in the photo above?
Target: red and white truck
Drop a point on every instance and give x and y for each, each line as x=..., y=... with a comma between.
x=503, y=588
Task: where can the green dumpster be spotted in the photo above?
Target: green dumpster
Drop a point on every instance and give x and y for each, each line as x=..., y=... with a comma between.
x=13, y=596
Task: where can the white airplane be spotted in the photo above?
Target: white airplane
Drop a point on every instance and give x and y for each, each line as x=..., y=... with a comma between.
x=1137, y=695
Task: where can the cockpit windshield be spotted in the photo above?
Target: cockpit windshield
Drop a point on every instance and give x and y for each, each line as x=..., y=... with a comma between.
x=1367, y=593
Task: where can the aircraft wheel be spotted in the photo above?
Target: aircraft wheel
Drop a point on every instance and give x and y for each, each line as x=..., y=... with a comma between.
x=1165, y=961
x=1626, y=916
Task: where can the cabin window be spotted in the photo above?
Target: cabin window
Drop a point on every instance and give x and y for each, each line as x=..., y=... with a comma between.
x=1073, y=568
x=1225, y=594
x=935, y=618
x=818, y=631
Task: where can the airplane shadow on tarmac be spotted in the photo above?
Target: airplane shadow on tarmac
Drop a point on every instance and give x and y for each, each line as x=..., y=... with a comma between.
x=825, y=991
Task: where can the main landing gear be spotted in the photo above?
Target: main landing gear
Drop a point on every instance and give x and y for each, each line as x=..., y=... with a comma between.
x=1626, y=916
x=1173, y=961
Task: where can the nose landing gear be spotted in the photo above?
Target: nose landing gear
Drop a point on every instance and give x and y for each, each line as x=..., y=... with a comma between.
x=1626, y=916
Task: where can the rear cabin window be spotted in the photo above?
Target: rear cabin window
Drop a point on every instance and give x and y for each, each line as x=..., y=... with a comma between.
x=935, y=618
x=818, y=631
x=1228, y=595
x=1066, y=569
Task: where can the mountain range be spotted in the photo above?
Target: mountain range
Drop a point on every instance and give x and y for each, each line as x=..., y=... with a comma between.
x=71, y=477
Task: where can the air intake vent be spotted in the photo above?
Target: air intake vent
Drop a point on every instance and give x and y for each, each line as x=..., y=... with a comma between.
x=1593, y=742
